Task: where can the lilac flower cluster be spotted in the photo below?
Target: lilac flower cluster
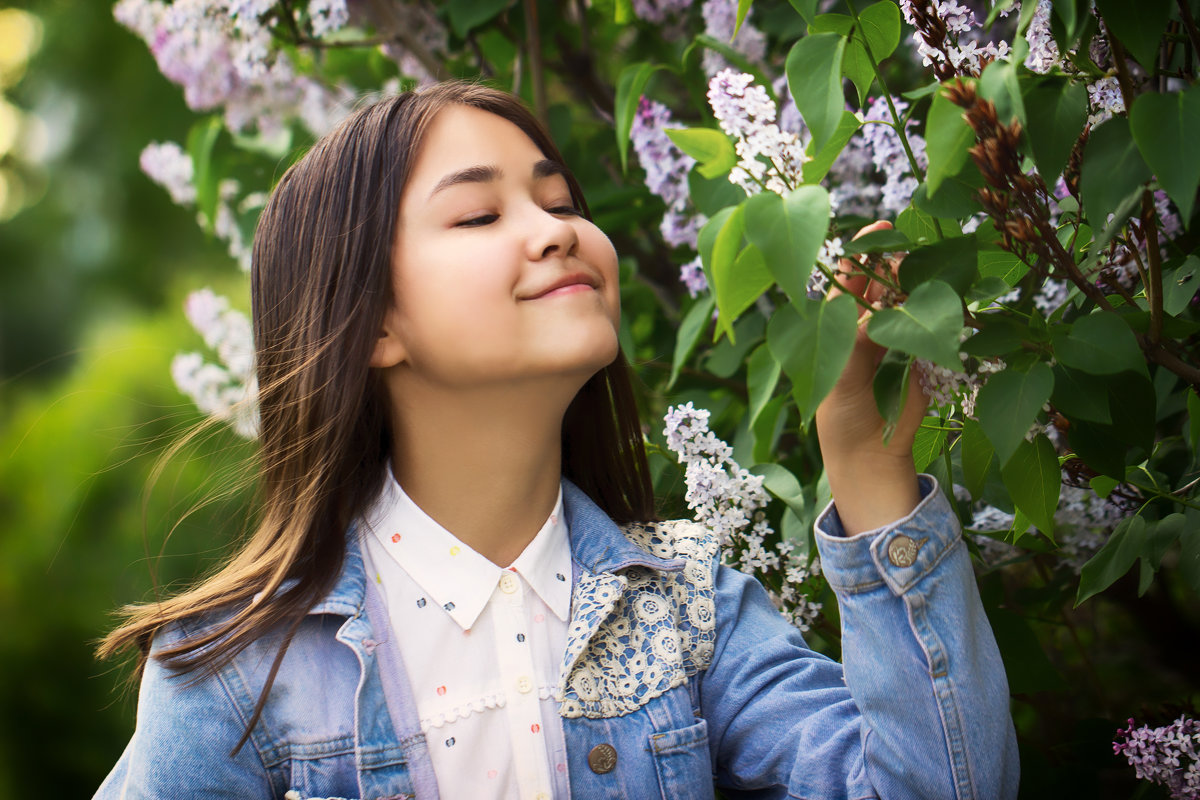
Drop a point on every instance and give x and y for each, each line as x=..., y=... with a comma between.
x=1104, y=100
x=768, y=157
x=223, y=56
x=964, y=33
x=723, y=495
x=666, y=168
x=167, y=165
x=720, y=18
x=1168, y=755
x=728, y=499
x=659, y=11
x=880, y=139
x=228, y=390
x=947, y=387
x=1043, y=50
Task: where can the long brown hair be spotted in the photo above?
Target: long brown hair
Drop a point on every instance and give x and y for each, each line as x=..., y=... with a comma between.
x=321, y=284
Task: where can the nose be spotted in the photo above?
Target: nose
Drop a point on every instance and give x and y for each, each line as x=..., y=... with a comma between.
x=551, y=234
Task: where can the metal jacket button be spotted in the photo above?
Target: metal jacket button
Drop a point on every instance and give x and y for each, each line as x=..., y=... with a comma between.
x=902, y=550
x=602, y=759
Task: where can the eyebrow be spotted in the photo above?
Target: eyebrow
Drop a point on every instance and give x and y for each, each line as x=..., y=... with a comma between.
x=486, y=173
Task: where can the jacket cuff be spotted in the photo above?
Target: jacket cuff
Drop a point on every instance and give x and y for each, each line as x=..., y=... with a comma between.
x=898, y=554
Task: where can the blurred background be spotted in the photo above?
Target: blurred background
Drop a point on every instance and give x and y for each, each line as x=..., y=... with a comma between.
x=94, y=266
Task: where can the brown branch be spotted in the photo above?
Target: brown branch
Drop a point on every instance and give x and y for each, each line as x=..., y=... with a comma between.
x=1154, y=290
x=1189, y=24
x=537, y=77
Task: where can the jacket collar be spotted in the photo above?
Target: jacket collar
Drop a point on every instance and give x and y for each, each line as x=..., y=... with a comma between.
x=597, y=545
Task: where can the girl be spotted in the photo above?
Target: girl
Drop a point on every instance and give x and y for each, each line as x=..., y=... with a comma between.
x=457, y=587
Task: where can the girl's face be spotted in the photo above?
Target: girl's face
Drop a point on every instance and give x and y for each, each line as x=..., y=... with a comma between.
x=495, y=275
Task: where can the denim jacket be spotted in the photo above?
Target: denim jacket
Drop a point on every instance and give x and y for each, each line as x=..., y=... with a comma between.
x=678, y=674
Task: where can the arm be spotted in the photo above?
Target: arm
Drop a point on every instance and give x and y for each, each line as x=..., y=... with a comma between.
x=186, y=727
x=920, y=709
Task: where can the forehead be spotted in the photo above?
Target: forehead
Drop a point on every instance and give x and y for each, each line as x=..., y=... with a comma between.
x=463, y=136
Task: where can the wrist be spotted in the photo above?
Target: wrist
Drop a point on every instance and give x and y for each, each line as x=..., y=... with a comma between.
x=872, y=493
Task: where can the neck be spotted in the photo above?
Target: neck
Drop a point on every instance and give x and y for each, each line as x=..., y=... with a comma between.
x=485, y=464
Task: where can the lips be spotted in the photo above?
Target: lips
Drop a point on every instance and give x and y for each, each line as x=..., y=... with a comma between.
x=577, y=281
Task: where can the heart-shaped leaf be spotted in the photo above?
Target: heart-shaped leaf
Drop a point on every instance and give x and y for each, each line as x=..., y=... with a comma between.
x=788, y=231
x=1166, y=128
x=1009, y=403
x=813, y=340
x=814, y=73
x=927, y=325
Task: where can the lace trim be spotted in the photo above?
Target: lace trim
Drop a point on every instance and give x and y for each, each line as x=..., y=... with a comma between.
x=640, y=633
x=464, y=711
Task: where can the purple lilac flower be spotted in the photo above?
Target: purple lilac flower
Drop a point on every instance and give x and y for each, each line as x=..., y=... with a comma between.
x=1169, y=755
x=1043, y=51
x=965, y=53
x=658, y=11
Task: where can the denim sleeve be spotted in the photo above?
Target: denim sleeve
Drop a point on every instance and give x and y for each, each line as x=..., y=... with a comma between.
x=920, y=707
x=186, y=727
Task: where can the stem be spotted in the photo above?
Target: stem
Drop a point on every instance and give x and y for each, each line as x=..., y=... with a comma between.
x=1189, y=24
x=1163, y=495
x=1154, y=287
x=887, y=95
x=537, y=74
x=834, y=282
x=1118, y=54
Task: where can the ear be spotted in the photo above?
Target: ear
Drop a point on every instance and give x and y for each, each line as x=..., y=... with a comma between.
x=389, y=349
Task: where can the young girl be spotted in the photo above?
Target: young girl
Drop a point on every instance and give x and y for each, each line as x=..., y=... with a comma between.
x=458, y=587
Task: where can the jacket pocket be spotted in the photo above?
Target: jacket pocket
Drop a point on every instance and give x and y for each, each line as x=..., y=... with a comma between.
x=682, y=761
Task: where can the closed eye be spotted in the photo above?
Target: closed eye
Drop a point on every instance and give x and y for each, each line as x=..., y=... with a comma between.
x=487, y=219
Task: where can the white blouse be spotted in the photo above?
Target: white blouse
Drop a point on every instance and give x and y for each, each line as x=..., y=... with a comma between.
x=482, y=646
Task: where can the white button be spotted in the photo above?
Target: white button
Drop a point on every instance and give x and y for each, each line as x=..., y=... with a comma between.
x=508, y=583
x=524, y=685
x=541, y=796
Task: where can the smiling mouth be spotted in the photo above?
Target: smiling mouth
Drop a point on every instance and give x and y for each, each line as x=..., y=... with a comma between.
x=570, y=284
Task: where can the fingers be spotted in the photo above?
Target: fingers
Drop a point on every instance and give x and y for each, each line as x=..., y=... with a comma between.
x=849, y=277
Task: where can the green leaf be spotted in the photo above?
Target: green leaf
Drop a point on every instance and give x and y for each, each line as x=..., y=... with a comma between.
x=1080, y=396
x=890, y=387
x=819, y=163
x=927, y=325
x=807, y=9
x=1002, y=264
x=920, y=227
x=954, y=261
x=623, y=12
x=928, y=443
x=999, y=84
x=762, y=376
x=947, y=139
x=1034, y=480
x=814, y=72
x=813, y=340
x=880, y=31
x=788, y=231
x=1069, y=13
x=630, y=85
x=1113, y=560
x=1166, y=128
x=768, y=427
x=978, y=456
x=887, y=240
x=783, y=484
x=742, y=10
x=1009, y=403
x=690, y=331
x=730, y=354
x=709, y=146
x=1103, y=485
x=1180, y=286
x=1100, y=344
x=201, y=140
x=711, y=195
x=999, y=336
x=1098, y=448
x=956, y=197
x=707, y=240
x=1189, y=558
x=1026, y=666
x=467, y=14
x=1057, y=112
x=1112, y=169
x=1193, y=407
x=737, y=279
x=1138, y=25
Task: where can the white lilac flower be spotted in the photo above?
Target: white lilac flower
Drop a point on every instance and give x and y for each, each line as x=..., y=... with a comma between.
x=1168, y=755
x=167, y=165
x=1043, y=51
x=658, y=11
x=422, y=21
x=1104, y=100
x=327, y=16
x=692, y=276
x=829, y=254
x=888, y=155
x=965, y=53
x=947, y=387
x=768, y=157
x=1051, y=295
x=229, y=390
x=720, y=18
